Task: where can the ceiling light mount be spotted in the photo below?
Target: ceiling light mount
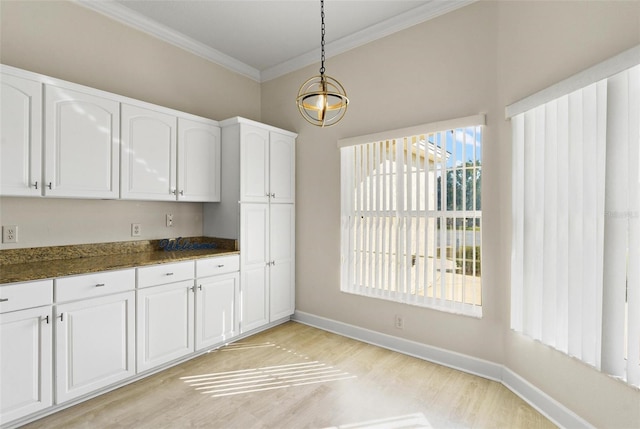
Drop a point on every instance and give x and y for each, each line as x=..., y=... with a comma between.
x=322, y=100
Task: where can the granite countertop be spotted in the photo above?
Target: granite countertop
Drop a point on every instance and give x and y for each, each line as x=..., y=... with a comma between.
x=22, y=265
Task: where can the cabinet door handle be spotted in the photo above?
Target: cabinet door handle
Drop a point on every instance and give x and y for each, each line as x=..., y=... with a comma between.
x=221, y=265
x=268, y=194
x=35, y=185
x=100, y=285
x=173, y=191
x=49, y=186
x=273, y=195
x=4, y=299
x=200, y=287
x=46, y=319
x=182, y=192
x=61, y=316
x=169, y=274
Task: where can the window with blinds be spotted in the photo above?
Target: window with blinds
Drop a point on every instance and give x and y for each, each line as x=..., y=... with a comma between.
x=412, y=217
x=575, y=271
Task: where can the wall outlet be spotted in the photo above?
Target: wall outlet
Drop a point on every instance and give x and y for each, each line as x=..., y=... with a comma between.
x=399, y=322
x=169, y=220
x=136, y=230
x=10, y=234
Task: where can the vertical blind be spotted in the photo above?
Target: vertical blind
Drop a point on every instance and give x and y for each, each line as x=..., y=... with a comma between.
x=575, y=276
x=411, y=219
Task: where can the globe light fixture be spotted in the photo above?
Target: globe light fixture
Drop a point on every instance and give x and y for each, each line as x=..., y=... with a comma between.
x=322, y=100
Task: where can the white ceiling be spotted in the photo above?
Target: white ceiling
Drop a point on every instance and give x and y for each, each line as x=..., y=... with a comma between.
x=264, y=39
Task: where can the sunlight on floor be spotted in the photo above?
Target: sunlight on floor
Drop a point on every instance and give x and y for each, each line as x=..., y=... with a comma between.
x=409, y=421
x=265, y=378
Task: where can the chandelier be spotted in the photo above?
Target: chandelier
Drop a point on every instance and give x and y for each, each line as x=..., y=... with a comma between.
x=322, y=100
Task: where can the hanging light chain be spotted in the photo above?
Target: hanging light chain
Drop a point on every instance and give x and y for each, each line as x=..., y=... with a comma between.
x=322, y=38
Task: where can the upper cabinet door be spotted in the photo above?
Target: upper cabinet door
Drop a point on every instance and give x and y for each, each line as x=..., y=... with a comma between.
x=254, y=168
x=148, y=155
x=81, y=144
x=198, y=161
x=282, y=168
x=21, y=132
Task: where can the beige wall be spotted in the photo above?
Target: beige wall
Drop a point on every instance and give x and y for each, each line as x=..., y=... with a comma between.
x=477, y=59
x=70, y=42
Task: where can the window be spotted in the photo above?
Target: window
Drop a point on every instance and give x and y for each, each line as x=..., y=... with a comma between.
x=412, y=216
x=575, y=277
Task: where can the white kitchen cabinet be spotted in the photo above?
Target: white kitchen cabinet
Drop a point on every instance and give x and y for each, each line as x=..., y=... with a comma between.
x=257, y=208
x=281, y=167
x=165, y=313
x=21, y=136
x=95, y=337
x=217, y=300
x=254, y=263
x=167, y=157
x=282, y=257
x=198, y=160
x=148, y=154
x=82, y=149
x=25, y=349
x=267, y=250
x=267, y=162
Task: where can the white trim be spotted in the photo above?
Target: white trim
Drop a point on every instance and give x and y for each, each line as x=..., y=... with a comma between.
x=140, y=22
x=401, y=22
x=124, y=15
x=432, y=127
x=545, y=404
x=603, y=70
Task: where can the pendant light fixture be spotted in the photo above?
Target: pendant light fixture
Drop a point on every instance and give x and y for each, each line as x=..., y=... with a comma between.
x=322, y=100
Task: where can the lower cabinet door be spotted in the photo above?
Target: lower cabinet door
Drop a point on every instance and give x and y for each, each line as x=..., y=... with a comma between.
x=216, y=313
x=95, y=344
x=165, y=324
x=254, y=304
x=25, y=362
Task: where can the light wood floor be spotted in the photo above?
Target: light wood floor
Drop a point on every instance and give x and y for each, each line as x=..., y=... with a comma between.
x=295, y=376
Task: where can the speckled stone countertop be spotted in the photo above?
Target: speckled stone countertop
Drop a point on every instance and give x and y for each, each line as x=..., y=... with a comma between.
x=20, y=265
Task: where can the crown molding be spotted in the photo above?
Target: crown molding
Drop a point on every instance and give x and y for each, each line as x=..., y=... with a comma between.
x=133, y=19
x=385, y=28
x=382, y=29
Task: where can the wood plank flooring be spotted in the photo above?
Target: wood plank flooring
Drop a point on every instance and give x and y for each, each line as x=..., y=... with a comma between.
x=295, y=376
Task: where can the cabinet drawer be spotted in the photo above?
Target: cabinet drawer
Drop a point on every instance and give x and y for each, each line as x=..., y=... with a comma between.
x=18, y=296
x=93, y=285
x=218, y=265
x=165, y=273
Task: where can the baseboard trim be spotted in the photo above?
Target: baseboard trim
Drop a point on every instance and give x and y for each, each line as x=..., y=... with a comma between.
x=542, y=402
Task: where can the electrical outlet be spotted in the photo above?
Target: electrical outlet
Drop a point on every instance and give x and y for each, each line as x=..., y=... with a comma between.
x=169, y=220
x=136, y=230
x=10, y=234
x=399, y=322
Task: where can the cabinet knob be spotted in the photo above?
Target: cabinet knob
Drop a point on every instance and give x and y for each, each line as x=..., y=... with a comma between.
x=49, y=186
x=221, y=265
x=35, y=185
x=100, y=285
x=182, y=192
x=273, y=195
x=173, y=191
x=169, y=274
x=4, y=299
x=268, y=194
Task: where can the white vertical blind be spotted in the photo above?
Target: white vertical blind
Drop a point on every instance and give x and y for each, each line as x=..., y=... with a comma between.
x=576, y=240
x=411, y=218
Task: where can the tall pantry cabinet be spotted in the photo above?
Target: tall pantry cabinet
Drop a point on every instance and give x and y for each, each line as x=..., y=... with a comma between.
x=257, y=209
